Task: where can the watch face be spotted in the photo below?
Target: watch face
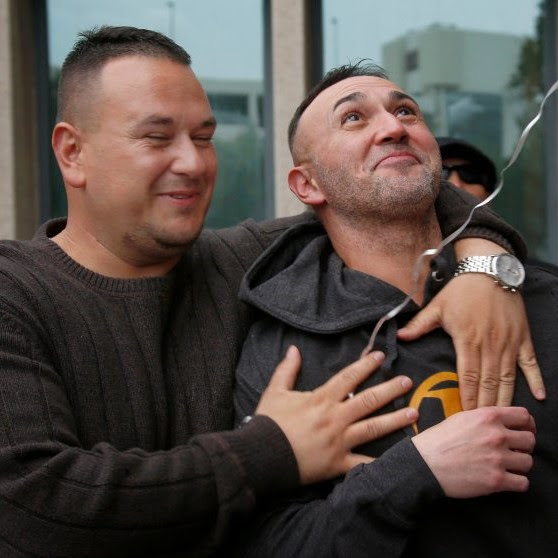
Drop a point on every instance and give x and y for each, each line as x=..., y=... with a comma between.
x=509, y=270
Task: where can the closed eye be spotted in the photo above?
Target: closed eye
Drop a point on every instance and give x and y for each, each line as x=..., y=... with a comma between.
x=203, y=140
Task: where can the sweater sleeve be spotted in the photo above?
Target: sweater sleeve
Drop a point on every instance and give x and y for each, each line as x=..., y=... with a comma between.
x=59, y=498
x=453, y=207
x=372, y=512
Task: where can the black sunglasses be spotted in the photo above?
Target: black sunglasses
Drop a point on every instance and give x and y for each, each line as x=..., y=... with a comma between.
x=467, y=172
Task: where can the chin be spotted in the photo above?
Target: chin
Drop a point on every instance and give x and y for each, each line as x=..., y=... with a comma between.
x=166, y=241
x=179, y=239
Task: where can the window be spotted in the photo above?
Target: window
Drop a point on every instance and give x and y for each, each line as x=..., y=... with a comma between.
x=479, y=72
x=411, y=60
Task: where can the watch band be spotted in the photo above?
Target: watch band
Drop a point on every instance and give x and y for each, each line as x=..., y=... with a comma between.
x=488, y=266
x=476, y=264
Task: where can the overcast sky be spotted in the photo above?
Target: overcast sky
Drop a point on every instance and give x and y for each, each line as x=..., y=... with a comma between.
x=224, y=37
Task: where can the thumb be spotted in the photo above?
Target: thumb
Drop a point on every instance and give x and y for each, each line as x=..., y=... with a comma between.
x=285, y=374
x=424, y=322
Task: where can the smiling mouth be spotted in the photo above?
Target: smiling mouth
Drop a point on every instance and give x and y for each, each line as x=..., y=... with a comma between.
x=396, y=157
x=179, y=195
x=180, y=199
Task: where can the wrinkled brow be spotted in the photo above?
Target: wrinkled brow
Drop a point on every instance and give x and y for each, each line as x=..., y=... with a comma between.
x=395, y=95
x=356, y=96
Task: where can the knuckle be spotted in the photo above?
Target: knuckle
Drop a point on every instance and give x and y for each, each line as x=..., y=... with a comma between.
x=528, y=360
x=350, y=376
x=370, y=400
x=495, y=479
x=489, y=415
x=471, y=342
x=507, y=376
x=496, y=438
x=373, y=429
x=490, y=382
x=470, y=377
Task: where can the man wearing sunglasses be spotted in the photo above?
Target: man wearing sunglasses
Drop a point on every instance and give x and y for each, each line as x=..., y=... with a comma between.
x=466, y=167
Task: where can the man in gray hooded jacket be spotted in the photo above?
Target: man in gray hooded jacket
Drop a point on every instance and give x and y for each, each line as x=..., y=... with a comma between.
x=370, y=168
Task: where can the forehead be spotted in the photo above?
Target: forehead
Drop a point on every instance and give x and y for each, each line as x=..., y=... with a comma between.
x=359, y=88
x=145, y=83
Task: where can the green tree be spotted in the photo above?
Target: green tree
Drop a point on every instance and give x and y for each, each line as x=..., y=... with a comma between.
x=523, y=199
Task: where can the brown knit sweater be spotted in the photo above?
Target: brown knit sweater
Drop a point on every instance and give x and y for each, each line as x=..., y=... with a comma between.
x=115, y=395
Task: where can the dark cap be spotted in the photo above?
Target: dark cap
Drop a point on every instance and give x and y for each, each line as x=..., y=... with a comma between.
x=452, y=147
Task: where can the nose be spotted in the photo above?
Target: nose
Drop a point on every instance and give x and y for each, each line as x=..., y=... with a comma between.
x=389, y=128
x=188, y=158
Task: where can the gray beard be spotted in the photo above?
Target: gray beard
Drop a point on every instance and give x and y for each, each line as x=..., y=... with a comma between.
x=380, y=198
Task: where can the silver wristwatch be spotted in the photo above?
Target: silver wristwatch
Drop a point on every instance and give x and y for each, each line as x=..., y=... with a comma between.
x=506, y=269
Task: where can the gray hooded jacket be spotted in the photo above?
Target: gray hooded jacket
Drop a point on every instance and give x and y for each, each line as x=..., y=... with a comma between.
x=394, y=506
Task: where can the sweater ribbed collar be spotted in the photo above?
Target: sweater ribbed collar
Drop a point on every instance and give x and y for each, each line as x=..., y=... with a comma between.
x=57, y=257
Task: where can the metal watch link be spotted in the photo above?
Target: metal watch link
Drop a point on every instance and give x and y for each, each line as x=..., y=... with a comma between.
x=505, y=269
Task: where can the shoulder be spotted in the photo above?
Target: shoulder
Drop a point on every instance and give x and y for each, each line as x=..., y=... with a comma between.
x=246, y=241
x=17, y=257
x=540, y=275
x=540, y=290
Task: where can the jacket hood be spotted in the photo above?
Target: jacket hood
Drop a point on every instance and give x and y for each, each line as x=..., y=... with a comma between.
x=301, y=281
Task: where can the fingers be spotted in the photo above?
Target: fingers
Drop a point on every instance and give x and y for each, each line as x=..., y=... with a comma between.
x=521, y=442
x=489, y=381
x=517, y=418
x=347, y=380
x=513, y=482
x=370, y=400
x=528, y=363
x=424, y=322
x=486, y=373
x=376, y=427
x=284, y=376
x=468, y=366
x=507, y=377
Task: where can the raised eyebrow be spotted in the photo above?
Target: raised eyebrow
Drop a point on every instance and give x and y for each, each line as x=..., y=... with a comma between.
x=400, y=96
x=356, y=96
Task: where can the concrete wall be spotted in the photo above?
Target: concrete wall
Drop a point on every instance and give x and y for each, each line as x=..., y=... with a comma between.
x=18, y=121
x=7, y=147
x=288, y=23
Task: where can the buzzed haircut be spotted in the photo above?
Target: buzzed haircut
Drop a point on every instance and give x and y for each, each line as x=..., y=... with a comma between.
x=363, y=67
x=95, y=47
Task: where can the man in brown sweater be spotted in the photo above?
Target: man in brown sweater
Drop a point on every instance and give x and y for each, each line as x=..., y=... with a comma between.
x=120, y=329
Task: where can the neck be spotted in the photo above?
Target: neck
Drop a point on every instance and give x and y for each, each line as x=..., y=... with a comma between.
x=387, y=250
x=91, y=253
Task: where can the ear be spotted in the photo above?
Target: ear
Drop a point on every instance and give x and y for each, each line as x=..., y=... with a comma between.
x=67, y=146
x=305, y=187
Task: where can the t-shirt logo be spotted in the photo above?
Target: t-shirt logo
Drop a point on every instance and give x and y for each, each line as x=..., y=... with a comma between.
x=436, y=398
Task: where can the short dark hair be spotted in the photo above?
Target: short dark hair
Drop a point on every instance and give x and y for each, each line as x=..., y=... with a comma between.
x=96, y=46
x=362, y=67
